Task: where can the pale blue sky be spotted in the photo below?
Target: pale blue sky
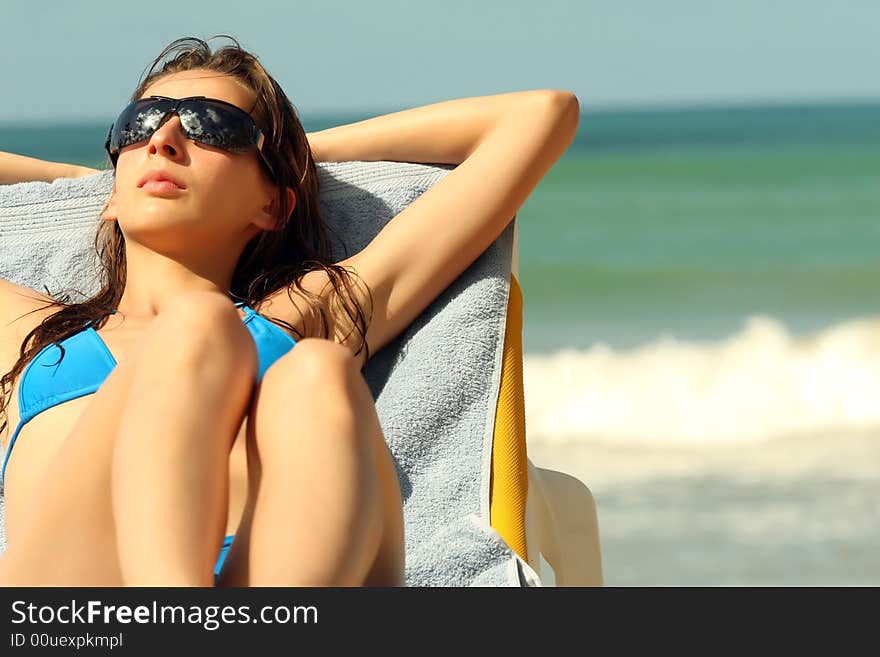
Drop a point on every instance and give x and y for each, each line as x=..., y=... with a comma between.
x=81, y=60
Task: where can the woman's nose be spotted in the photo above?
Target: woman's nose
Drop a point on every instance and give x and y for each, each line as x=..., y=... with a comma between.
x=168, y=138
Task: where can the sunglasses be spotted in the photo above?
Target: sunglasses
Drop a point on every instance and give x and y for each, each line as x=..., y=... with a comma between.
x=208, y=121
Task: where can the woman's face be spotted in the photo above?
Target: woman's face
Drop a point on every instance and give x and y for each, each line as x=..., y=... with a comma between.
x=224, y=194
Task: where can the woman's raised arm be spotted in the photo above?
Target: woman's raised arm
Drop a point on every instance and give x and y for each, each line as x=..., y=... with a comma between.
x=503, y=145
x=20, y=168
x=439, y=133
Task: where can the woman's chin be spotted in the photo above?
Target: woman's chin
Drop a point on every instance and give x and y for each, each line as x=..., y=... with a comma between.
x=159, y=215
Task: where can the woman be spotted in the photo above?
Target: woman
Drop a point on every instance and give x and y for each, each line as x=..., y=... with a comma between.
x=206, y=419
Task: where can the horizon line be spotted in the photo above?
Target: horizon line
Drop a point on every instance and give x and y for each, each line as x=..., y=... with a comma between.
x=599, y=108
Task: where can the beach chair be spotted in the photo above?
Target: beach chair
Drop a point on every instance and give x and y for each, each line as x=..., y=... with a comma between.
x=547, y=517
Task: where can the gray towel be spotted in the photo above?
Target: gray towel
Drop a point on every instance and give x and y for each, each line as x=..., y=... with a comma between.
x=435, y=386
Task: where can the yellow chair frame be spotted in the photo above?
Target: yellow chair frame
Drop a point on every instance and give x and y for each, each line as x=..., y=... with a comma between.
x=547, y=517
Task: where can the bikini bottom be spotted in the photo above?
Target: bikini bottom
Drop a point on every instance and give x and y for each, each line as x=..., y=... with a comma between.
x=227, y=543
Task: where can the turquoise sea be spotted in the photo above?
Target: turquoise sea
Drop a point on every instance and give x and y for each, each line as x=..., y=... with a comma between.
x=688, y=222
x=702, y=334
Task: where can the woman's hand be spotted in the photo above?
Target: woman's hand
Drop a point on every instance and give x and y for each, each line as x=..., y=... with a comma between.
x=20, y=168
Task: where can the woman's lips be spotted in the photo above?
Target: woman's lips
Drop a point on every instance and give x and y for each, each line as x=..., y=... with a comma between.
x=161, y=187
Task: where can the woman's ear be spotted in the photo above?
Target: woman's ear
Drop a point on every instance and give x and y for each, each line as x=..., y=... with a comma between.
x=109, y=212
x=271, y=214
x=291, y=200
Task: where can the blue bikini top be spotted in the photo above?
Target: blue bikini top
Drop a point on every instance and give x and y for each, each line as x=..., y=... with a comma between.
x=49, y=379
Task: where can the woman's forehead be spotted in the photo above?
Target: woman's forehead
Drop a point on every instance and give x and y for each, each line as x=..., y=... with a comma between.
x=202, y=83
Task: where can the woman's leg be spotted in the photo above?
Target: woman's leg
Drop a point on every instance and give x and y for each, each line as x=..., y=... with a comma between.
x=324, y=505
x=171, y=458
x=69, y=536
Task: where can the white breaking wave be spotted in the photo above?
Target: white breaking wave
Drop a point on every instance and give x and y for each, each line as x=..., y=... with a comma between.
x=758, y=385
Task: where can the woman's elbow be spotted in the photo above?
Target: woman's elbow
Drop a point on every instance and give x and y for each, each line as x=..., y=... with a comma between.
x=562, y=104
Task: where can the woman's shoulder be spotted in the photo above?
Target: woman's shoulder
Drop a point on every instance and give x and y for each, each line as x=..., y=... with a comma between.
x=312, y=305
x=298, y=304
x=21, y=309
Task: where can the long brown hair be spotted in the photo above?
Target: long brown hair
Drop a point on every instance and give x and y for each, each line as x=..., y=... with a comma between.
x=271, y=261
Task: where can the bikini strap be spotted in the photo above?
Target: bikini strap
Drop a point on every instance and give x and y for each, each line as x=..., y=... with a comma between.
x=247, y=309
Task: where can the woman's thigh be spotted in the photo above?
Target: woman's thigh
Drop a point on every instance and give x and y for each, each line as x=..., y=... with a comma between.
x=67, y=537
x=303, y=382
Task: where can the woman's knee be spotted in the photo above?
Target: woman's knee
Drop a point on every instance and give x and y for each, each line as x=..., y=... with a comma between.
x=198, y=308
x=318, y=380
x=316, y=366
x=199, y=325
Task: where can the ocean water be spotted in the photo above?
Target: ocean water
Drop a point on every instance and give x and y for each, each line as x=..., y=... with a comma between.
x=702, y=334
x=702, y=327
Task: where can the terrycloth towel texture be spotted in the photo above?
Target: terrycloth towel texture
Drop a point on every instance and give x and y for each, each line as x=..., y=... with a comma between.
x=435, y=386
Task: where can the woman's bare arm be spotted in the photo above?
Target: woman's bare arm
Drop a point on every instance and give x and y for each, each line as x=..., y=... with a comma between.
x=20, y=168
x=439, y=133
x=503, y=145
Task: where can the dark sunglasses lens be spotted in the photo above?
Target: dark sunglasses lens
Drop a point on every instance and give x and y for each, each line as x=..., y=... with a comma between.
x=209, y=122
x=137, y=122
x=217, y=125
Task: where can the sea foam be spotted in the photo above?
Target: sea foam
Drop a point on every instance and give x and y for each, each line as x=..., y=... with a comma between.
x=760, y=384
